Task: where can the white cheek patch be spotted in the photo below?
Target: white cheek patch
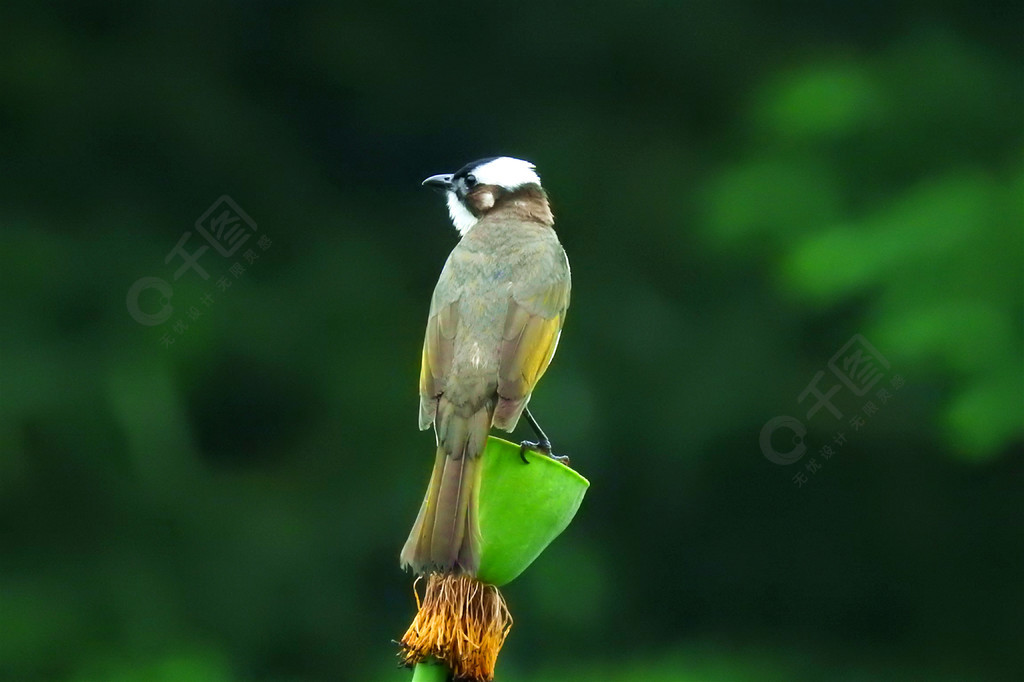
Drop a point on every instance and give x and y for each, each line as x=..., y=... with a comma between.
x=507, y=172
x=461, y=217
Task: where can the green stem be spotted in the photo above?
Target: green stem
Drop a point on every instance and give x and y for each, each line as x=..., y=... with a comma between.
x=431, y=671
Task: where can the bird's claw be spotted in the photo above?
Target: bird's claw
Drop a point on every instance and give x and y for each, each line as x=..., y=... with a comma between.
x=529, y=445
x=543, y=447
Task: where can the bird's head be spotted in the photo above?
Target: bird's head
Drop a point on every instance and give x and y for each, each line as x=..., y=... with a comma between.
x=478, y=187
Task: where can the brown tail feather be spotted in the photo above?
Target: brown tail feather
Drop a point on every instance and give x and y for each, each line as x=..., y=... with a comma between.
x=446, y=535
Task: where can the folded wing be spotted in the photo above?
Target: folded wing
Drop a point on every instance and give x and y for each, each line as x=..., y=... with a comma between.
x=532, y=328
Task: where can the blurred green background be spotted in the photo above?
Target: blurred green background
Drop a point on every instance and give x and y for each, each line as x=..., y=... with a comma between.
x=741, y=187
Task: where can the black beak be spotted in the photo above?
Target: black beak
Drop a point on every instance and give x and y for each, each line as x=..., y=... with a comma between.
x=441, y=183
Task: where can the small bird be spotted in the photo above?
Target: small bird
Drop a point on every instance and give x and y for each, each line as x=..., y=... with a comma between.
x=495, y=319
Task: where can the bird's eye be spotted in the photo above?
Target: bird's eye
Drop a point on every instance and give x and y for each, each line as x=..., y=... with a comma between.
x=470, y=180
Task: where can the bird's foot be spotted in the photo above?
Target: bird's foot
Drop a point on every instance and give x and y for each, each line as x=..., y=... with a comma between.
x=543, y=447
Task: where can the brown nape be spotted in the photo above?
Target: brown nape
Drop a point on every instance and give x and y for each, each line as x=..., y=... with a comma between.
x=529, y=202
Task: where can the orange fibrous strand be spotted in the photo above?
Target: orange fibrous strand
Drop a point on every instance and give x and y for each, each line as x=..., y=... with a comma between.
x=462, y=623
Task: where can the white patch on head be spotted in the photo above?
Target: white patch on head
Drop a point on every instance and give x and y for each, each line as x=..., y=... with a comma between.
x=461, y=217
x=506, y=172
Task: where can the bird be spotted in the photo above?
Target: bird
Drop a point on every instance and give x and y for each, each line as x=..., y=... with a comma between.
x=495, y=320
